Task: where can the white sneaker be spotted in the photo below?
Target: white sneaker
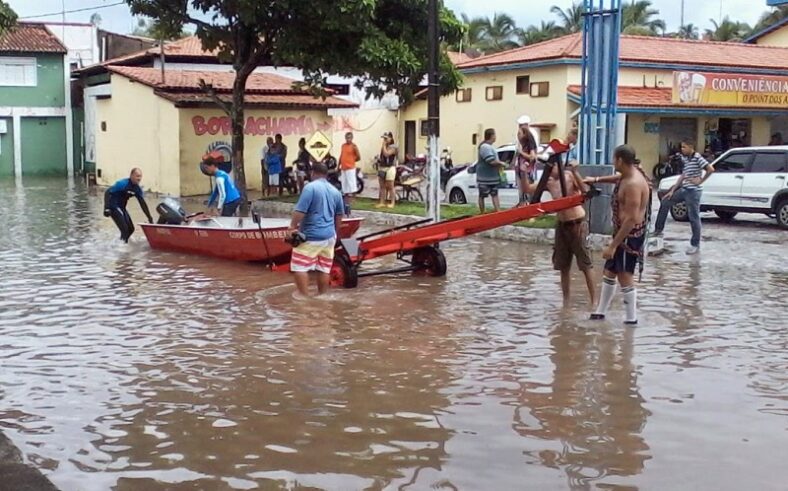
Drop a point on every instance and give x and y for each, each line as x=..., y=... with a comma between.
x=692, y=250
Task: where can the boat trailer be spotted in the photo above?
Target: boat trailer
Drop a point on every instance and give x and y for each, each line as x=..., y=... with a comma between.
x=417, y=244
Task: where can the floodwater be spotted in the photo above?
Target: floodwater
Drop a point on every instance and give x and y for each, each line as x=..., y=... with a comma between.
x=124, y=368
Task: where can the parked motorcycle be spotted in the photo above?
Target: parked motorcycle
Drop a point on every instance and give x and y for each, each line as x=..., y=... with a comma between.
x=674, y=166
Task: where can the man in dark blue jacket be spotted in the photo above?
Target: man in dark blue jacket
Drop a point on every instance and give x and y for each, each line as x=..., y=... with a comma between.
x=116, y=198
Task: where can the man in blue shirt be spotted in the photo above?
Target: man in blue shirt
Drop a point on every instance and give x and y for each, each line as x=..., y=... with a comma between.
x=117, y=197
x=688, y=189
x=225, y=194
x=317, y=215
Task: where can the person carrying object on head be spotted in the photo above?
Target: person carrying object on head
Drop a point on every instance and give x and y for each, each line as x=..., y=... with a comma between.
x=225, y=195
x=318, y=217
x=116, y=197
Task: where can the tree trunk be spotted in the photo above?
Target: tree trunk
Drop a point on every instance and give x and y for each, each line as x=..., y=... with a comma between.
x=237, y=118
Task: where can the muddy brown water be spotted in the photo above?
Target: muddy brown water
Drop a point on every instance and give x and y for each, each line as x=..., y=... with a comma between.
x=124, y=368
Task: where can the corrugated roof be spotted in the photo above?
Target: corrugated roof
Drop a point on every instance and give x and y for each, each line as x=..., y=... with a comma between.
x=30, y=37
x=182, y=86
x=648, y=49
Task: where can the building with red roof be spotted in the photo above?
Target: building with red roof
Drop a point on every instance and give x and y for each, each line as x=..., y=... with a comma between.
x=35, y=103
x=719, y=94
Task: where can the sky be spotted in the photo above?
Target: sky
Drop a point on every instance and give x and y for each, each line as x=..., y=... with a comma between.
x=526, y=12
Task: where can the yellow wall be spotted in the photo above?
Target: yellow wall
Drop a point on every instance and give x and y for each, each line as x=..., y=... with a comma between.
x=141, y=131
x=646, y=145
x=761, y=131
x=367, y=126
x=461, y=120
x=775, y=38
x=293, y=124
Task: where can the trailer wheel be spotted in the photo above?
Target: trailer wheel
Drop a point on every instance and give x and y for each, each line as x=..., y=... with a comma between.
x=343, y=273
x=430, y=260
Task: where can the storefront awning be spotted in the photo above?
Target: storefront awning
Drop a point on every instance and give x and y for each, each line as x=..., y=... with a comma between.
x=659, y=100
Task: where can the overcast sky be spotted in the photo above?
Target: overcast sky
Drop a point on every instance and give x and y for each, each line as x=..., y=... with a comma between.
x=526, y=12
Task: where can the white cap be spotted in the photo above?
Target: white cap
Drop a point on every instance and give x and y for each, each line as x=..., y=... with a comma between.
x=524, y=119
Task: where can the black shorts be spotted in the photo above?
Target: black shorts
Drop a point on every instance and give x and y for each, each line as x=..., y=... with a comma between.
x=623, y=260
x=488, y=190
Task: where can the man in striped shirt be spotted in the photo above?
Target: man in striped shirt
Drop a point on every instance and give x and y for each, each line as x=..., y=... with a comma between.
x=688, y=189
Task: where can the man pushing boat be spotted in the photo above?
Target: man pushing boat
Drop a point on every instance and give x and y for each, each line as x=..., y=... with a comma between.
x=117, y=197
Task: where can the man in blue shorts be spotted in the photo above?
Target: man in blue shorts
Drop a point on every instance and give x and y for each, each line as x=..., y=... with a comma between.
x=117, y=197
x=488, y=171
x=630, y=202
x=318, y=216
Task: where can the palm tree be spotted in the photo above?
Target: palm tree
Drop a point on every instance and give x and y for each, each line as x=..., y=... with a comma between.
x=638, y=18
x=728, y=30
x=771, y=17
x=688, y=31
x=498, y=33
x=537, y=34
x=474, y=34
x=571, y=19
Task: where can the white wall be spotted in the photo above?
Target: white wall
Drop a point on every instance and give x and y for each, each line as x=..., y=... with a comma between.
x=80, y=39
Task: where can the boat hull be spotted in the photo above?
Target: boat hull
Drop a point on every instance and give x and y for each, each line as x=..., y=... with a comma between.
x=234, y=239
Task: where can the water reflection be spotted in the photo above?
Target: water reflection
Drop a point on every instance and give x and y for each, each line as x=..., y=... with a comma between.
x=127, y=369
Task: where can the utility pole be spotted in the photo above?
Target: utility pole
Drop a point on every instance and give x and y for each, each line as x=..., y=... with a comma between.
x=681, y=26
x=433, y=113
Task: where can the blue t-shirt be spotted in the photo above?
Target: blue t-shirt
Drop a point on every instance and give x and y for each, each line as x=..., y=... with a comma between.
x=231, y=193
x=121, y=191
x=321, y=203
x=274, y=162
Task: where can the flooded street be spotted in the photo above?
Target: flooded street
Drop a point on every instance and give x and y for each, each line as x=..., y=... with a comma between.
x=129, y=369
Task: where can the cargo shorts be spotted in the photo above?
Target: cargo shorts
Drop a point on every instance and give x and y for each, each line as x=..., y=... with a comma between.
x=571, y=241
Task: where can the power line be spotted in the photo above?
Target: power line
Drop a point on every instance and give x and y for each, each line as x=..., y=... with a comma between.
x=72, y=11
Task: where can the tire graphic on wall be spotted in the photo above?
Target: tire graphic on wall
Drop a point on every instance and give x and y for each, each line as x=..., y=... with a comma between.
x=227, y=152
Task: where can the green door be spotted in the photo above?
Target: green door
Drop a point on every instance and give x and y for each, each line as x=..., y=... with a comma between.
x=44, y=146
x=7, y=148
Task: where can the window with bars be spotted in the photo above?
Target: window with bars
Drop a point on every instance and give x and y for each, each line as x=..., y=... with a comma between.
x=18, y=72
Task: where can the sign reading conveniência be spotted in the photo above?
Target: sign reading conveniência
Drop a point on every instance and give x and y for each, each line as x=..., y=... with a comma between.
x=724, y=89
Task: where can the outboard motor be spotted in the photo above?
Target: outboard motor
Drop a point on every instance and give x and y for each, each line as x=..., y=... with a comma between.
x=170, y=212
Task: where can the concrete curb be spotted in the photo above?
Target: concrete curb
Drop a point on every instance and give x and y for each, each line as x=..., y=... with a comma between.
x=597, y=242
x=16, y=475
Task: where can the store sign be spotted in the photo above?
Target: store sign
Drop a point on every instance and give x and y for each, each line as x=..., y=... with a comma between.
x=265, y=126
x=651, y=128
x=720, y=89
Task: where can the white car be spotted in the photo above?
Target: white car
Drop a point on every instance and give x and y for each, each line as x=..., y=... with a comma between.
x=462, y=188
x=746, y=180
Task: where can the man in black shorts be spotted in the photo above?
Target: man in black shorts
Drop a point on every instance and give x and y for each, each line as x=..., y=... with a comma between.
x=630, y=203
x=488, y=171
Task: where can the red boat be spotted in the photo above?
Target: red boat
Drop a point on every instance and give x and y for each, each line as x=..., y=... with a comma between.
x=239, y=239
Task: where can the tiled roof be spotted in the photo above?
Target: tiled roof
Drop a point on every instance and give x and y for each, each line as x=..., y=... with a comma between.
x=648, y=97
x=458, y=58
x=187, y=47
x=182, y=86
x=261, y=83
x=303, y=100
x=648, y=50
x=30, y=37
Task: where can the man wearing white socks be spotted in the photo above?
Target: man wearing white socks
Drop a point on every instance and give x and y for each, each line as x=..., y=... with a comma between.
x=629, y=202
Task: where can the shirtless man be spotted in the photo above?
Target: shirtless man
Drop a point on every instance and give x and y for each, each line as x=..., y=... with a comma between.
x=630, y=202
x=571, y=231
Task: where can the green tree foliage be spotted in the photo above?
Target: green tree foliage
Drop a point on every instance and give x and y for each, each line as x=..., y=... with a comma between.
x=7, y=17
x=473, y=34
x=728, y=30
x=571, y=19
x=537, y=34
x=771, y=17
x=499, y=33
x=688, y=31
x=382, y=42
x=639, y=18
x=149, y=28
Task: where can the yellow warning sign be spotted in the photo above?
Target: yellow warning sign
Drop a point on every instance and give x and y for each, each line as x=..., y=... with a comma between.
x=318, y=146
